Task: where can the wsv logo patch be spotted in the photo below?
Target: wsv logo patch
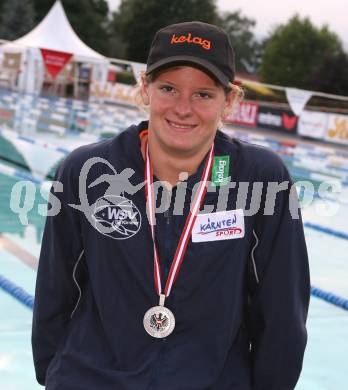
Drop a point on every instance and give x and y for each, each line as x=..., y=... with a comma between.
x=116, y=217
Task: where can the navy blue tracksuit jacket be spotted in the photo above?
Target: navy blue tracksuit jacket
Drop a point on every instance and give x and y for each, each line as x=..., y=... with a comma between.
x=240, y=304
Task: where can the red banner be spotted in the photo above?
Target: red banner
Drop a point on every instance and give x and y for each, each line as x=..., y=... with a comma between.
x=112, y=76
x=55, y=61
x=244, y=114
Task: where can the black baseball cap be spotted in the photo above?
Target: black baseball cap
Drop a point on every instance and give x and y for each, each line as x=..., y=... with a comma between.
x=200, y=44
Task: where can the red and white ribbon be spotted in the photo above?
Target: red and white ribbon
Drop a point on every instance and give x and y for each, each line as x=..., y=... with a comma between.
x=190, y=220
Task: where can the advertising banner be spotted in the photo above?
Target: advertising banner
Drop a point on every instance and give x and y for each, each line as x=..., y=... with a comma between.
x=6, y=116
x=110, y=92
x=55, y=61
x=337, y=130
x=12, y=61
x=313, y=124
x=277, y=119
x=85, y=74
x=244, y=114
x=112, y=76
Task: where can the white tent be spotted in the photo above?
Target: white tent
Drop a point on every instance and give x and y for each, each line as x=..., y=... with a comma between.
x=54, y=32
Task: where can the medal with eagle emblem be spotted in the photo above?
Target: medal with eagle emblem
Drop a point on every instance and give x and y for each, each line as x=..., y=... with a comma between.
x=159, y=321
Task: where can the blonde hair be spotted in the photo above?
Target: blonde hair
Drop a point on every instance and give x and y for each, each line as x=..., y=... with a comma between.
x=236, y=91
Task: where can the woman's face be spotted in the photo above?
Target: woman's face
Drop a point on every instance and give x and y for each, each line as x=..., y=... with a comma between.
x=185, y=106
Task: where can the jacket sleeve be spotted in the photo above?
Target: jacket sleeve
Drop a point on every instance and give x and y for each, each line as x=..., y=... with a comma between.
x=279, y=291
x=56, y=293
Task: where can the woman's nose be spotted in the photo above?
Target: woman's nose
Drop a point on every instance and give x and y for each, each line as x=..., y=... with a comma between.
x=183, y=106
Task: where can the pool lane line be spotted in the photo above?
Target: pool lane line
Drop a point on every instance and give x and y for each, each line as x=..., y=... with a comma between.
x=16, y=292
x=20, y=253
x=43, y=144
x=18, y=174
x=330, y=298
x=326, y=230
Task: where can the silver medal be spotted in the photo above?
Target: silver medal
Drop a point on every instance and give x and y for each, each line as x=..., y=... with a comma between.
x=159, y=322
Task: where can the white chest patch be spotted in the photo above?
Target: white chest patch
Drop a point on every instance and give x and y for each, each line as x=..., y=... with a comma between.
x=223, y=225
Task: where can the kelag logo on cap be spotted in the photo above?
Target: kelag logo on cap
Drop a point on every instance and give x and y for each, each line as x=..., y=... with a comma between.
x=205, y=43
x=193, y=43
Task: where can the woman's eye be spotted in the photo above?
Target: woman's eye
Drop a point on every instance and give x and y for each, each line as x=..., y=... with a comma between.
x=204, y=95
x=166, y=88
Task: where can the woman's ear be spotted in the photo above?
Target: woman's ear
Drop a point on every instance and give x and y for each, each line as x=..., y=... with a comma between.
x=144, y=90
x=229, y=102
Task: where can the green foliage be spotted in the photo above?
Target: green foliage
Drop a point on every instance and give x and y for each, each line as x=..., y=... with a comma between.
x=136, y=21
x=101, y=7
x=41, y=8
x=295, y=52
x=331, y=75
x=117, y=45
x=17, y=18
x=88, y=18
x=243, y=40
x=126, y=77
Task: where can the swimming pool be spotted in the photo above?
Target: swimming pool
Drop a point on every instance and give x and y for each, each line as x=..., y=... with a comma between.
x=324, y=364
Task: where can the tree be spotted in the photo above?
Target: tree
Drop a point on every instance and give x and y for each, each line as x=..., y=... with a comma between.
x=296, y=50
x=118, y=47
x=243, y=40
x=17, y=18
x=136, y=21
x=41, y=8
x=89, y=19
x=332, y=75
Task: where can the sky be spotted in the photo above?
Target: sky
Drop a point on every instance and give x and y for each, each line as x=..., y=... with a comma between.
x=269, y=13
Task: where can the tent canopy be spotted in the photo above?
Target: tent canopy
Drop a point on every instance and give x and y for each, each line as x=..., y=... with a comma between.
x=54, y=32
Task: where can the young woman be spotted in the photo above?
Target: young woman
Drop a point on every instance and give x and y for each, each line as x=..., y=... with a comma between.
x=163, y=269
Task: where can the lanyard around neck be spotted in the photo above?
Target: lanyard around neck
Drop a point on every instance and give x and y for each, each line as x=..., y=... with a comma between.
x=186, y=233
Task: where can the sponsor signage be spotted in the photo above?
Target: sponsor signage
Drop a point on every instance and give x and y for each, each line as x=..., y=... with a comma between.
x=112, y=76
x=55, y=61
x=244, y=114
x=110, y=92
x=313, y=124
x=12, y=61
x=337, y=130
x=223, y=225
x=85, y=74
x=6, y=116
x=277, y=119
x=220, y=170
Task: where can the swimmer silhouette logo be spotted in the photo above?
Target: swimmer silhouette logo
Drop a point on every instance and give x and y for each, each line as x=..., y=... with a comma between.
x=119, y=213
x=112, y=214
